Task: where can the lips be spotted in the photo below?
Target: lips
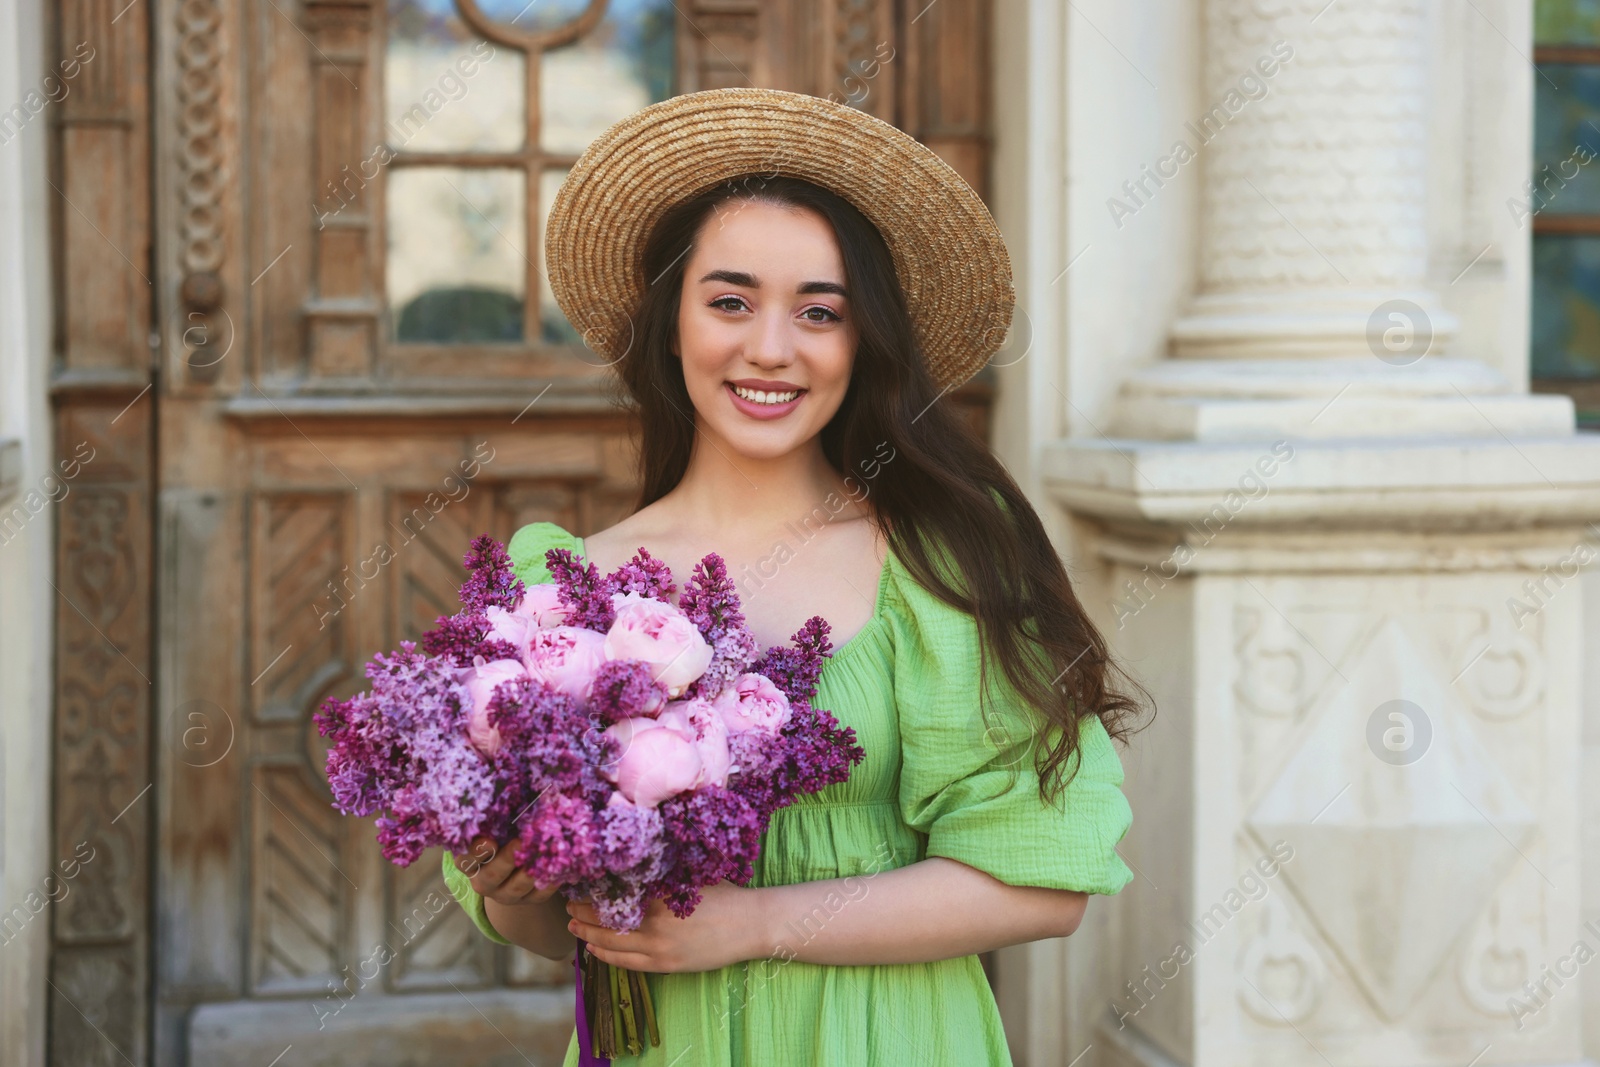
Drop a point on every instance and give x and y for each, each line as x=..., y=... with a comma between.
x=758, y=402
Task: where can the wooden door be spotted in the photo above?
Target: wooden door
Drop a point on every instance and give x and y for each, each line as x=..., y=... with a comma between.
x=303, y=325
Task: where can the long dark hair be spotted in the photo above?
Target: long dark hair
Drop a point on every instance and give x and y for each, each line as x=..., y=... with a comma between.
x=947, y=488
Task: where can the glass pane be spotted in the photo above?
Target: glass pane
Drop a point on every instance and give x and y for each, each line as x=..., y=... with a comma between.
x=1566, y=306
x=534, y=15
x=554, y=327
x=624, y=64
x=1566, y=142
x=1566, y=22
x=458, y=265
x=446, y=88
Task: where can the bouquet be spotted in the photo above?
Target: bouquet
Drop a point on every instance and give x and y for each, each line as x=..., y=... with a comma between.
x=628, y=748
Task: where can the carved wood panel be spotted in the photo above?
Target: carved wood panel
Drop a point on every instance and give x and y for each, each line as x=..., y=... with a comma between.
x=302, y=899
x=103, y=699
x=98, y=996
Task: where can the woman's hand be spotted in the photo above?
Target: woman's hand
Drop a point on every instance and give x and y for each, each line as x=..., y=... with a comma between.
x=724, y=928
x=493, y=873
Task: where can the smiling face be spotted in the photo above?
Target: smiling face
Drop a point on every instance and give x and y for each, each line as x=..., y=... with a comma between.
x=765, y=328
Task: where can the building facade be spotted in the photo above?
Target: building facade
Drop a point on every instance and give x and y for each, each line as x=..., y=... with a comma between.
x=270, y=273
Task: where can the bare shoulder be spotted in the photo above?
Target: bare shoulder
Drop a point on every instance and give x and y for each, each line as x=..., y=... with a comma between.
x=610, y=548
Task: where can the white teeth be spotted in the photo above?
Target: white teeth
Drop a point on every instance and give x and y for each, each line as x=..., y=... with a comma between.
x=757, y=396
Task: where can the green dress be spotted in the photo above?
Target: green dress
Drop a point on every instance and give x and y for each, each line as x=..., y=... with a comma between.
x=907, y=683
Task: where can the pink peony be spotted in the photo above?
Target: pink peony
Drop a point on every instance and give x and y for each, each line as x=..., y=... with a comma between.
x=752, y=702
x=565, y=658
x=656, y=762
x=480, y=681
x=699, y=721
x=541, y=606
x=660, y=636
x=509, y=627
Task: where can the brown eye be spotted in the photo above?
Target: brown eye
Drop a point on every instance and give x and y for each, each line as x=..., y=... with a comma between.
x=829, y=315
x=721, y=301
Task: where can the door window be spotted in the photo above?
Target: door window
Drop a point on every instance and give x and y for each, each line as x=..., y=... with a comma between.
x=487, y=104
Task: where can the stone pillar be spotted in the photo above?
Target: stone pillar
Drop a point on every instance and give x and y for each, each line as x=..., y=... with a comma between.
x=1315, y=196
x=1346, y=564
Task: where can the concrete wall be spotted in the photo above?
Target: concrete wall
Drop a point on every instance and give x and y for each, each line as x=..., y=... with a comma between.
x=26, y=600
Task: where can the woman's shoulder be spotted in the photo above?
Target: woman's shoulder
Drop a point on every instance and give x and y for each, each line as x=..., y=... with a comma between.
x=529, y=544
x=906, y=591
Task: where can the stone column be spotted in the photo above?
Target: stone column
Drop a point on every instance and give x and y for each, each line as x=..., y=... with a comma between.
x=1315, y=195
x=1313, y=253
x=1346, y=564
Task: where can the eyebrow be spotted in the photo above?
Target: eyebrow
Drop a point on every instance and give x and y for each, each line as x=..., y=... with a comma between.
x=750, y=281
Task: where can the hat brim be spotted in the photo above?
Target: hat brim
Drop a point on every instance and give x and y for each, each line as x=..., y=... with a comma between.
x=948, y=253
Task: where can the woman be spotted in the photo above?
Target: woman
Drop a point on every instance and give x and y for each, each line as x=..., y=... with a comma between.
x=786, y=341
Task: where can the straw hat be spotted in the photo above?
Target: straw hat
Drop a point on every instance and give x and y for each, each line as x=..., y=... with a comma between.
x=948, y=252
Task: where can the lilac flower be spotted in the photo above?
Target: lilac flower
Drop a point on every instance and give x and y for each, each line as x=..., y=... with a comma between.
x=626, y=689
x=402, y=747
x=493, y=583
x=711, y=834
x=584, y=592
x=645, y=575
x=711, y=601
x=796, y=670
x=457, y=638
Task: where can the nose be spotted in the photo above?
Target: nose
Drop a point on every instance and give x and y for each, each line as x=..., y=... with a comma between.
x=771, y=344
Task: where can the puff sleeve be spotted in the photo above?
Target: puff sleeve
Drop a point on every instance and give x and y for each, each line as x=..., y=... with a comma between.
x=526, y=549
x=471, y=900
x=956, y=764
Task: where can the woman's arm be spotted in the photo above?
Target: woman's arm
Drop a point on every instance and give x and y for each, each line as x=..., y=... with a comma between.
x=529, y=917
x=934, y=909
x=540, y=926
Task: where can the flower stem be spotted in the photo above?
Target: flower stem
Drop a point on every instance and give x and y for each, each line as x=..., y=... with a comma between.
x=616, y=1009
x=629, y=1010
x=643, y=998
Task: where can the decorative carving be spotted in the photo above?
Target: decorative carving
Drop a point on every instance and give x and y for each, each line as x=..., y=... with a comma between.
x=854, y=32
x=100, y=729
x=433, y=942
x=1281, y=975
x=203, y=166
x=1504, y=949
x=720, y=47
x=94, y=1009
x=428, y=544
x=1272, y=668
x=300, y=888
x=201, y=156
x=341, y=316
x=304, y=586
x=1393, y=861
x=1503, y=670
x=102, y=720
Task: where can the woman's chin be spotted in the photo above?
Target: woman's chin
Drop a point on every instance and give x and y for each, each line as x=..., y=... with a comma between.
x=761, y=444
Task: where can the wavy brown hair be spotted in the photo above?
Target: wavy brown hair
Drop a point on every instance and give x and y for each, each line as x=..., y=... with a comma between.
x=948, y=488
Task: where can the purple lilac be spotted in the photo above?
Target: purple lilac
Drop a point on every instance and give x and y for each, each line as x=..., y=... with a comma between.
x=492, y=582
x=582, y=590
x=626, y=689
x=401, y=747
x=645, y=575
x=711, y=601
x=711, y=834
x=796, y=670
